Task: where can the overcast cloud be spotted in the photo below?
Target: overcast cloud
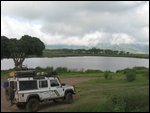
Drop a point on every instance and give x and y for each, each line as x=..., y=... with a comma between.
x=77, y=23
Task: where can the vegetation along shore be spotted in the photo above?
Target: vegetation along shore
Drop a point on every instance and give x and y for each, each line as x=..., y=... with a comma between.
x=91, y=52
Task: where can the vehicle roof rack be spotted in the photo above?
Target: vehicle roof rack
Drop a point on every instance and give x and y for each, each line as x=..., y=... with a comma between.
x=34, y=75
x=31, y=73
x=27, y=73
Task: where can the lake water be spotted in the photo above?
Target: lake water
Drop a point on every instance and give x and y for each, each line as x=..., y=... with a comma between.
x=78, y=63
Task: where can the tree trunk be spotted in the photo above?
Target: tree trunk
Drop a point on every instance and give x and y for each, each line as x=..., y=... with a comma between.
x=18, y=60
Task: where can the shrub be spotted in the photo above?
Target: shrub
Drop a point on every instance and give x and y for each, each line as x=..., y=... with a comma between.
x=39, y=69
x=146, y=74
x=125, y=71
x=131, y=102
x=93, y=71
x=107, y=75
x=49, y=69
x=130, y=76
x=118, y=103
x=61, y=69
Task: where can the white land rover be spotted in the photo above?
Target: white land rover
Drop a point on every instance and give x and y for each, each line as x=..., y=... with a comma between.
x=28, y=89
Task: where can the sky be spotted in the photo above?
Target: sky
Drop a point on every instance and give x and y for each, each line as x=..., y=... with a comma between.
x=80, y=23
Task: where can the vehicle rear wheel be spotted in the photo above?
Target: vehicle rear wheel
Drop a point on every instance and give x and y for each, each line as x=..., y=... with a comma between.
x=69, y=98
x=21, y=105
x=55, y=100
x=32, y=105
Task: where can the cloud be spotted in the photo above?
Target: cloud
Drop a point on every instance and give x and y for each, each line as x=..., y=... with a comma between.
x=121, y=38
x=77, y=23
x=13, y=28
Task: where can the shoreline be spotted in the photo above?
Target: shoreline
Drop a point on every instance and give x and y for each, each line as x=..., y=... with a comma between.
x=85, y=56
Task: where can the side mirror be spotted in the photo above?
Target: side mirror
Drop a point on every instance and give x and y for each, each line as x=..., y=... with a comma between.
x=63, y=84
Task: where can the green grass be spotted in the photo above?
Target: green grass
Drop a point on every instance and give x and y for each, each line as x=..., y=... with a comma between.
x=112, y=95
x=96, y=95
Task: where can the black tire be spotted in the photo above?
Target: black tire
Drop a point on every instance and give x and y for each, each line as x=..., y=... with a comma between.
x=21, y=105
x=69, y=98
x=58, y=100
x=55, y=101
x=32, y=105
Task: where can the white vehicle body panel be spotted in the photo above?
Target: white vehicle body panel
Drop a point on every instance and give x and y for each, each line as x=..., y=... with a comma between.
x=45, y=93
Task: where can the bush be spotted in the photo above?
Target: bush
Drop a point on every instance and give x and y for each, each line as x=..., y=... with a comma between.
x=118, y=103
x=107, y=75
x=93, y=71
x=130, y=76
x=125, y=71
x=61, y=69
x=131, y=102
x=146, y=74
x=40, y=69
x=47, y=69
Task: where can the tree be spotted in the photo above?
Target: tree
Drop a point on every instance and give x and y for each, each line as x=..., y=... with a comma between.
x=4, y=47
x=18, y=50
x=93, y=50
x=121, y=53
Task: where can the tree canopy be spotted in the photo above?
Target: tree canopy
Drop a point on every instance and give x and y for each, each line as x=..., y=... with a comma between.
x=4, y=47
x=20, y=49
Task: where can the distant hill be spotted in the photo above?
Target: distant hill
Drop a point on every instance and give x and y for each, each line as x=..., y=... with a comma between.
x=134, y=48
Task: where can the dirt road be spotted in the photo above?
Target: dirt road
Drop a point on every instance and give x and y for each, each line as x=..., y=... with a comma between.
x=5, y=105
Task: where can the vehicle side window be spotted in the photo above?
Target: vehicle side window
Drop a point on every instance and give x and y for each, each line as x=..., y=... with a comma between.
x=27, y=85
x=43, y=84
x=54, y=83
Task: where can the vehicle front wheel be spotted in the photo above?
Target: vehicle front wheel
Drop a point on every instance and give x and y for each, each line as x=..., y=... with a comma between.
x=69, y=98
x=32, y=105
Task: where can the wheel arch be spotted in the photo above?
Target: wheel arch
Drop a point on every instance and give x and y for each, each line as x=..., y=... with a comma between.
x=33, y=96
x=69, y=91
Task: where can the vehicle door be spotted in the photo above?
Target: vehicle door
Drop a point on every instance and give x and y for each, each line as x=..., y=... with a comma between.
x=43, y=89
x=56, y=88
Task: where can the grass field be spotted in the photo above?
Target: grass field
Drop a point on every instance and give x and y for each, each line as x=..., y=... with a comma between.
x=112, y=95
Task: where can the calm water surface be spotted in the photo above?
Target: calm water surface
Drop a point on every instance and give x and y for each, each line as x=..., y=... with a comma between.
x=78, y=63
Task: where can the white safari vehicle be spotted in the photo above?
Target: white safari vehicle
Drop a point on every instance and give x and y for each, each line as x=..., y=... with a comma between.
x=27, y=89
